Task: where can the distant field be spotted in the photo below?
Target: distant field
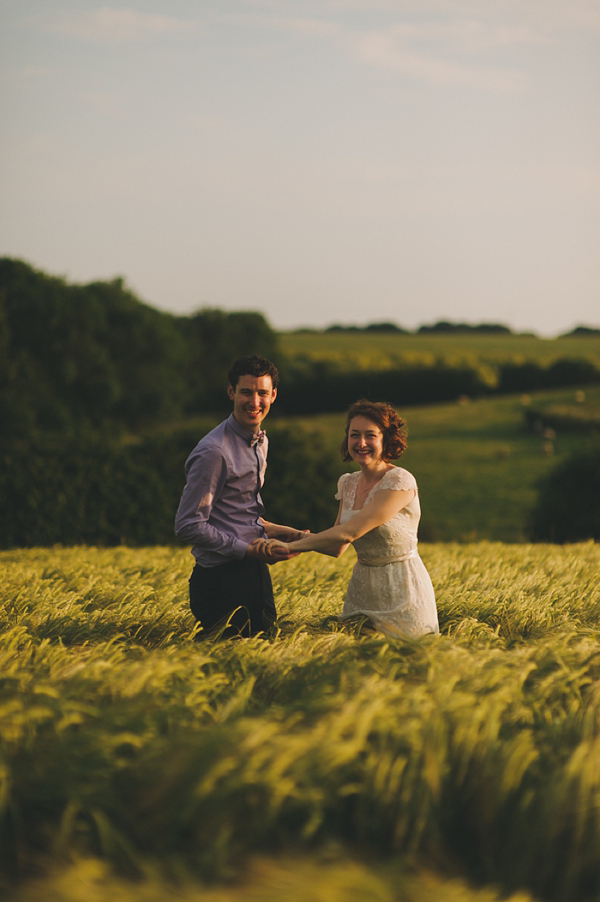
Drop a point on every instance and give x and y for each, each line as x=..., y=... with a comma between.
x=381, y=350
x=476, y=464
x=317, y=766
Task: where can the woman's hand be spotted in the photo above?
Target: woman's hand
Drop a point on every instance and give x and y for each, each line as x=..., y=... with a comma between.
x=277, y=547
x=271, y=551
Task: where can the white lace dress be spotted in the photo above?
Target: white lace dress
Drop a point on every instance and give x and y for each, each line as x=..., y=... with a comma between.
x=389, y=583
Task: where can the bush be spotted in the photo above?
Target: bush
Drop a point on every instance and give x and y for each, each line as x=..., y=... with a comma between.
x=324, y=389
x=563, y=418
x=534, y=376
x=97, y=491
x=90, y=491
x=301, y=479
x=516, y=377
x=571, y=372
x=568, y=504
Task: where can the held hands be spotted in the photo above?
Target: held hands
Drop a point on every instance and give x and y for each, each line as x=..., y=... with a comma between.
x=271, y=551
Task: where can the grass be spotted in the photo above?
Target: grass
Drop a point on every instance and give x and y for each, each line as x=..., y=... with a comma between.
x=318, y=765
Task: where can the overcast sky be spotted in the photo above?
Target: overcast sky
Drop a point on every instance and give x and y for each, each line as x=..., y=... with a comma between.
x=321, y=161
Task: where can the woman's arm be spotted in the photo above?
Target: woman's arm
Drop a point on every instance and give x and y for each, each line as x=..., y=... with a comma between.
x=284, y=533
x=336, y=548
x=385, y=505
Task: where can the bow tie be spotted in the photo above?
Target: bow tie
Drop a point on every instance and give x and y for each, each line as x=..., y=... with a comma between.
x=258, y=438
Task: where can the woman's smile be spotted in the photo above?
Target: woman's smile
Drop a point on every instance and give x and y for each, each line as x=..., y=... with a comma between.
x=365, y=441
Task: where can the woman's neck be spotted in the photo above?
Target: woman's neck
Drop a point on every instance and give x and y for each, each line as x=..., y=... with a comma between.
x=373, y=472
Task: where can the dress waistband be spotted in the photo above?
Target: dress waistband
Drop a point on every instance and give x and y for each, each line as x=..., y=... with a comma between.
x=392, y=559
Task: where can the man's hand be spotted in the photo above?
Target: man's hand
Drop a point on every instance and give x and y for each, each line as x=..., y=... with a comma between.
x=269, y=551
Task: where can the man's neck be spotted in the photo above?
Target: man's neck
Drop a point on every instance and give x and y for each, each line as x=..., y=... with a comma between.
x=252, y=429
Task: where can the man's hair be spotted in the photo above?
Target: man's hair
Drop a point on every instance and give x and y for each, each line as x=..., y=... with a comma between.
x=384, y=416
x=253, y=365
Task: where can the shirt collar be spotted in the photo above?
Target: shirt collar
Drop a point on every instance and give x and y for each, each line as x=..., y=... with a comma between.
x=246, y=434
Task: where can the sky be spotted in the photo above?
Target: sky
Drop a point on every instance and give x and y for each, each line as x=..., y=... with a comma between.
x=320, y=161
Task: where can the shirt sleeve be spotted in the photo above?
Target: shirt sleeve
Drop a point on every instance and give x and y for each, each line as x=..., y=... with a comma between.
x=205, y=478
x=399, y=480
x=340, y=486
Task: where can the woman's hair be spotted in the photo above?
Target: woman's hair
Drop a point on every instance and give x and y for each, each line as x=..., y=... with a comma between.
x=384, y=416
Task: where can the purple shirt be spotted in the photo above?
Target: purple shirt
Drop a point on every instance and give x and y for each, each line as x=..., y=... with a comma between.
x=221, y=505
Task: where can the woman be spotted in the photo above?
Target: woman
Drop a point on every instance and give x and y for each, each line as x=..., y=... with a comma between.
x=379, y=514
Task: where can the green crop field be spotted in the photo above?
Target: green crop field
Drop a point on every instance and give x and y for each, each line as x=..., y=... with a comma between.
x=315, y=766
x=383, y=349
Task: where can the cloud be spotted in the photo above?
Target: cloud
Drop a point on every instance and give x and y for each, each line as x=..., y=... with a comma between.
x=445, y=49
x=13, y=76
x=103, y=103
x=106, y=25
x=574, y=10
x=442, y=62
x=548, y=16
x=473, y=35
x=301, y=25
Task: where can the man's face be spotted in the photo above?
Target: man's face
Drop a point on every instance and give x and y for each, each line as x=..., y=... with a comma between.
x=252, y=398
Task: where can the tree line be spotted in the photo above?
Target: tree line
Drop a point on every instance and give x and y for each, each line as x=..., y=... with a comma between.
x=443, y=327
x=94, y=356
x=80, y=357
x=97, y=389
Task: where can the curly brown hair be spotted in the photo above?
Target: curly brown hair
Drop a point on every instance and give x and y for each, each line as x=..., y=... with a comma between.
x=253, y=365
x=383, y=415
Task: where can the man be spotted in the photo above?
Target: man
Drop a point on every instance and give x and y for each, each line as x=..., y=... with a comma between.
x=221, y=511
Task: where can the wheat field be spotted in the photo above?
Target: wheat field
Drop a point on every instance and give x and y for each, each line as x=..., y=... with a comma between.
x=318, y=765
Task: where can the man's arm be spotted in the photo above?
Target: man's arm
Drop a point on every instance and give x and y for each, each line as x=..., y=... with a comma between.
x=205, y=478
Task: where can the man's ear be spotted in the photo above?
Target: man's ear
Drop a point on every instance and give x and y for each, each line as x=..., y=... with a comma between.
x=230, y=391
x=273, y=395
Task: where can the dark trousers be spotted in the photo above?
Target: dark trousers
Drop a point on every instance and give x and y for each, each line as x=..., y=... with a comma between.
x=233, y=599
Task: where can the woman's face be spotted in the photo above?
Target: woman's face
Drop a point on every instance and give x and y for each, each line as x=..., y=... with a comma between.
x=365, y=441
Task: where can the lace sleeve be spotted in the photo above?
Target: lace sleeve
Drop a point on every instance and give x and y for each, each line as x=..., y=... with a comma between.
x=398, y=480
x=340, y=487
